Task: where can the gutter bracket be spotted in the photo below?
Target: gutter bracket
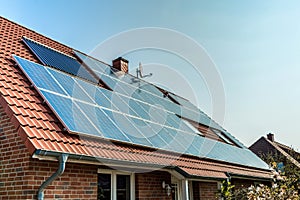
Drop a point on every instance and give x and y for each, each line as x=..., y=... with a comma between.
x=61, y=168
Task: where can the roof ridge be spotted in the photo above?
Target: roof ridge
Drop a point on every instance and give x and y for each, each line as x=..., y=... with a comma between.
x=288, y=156
x=286, y=146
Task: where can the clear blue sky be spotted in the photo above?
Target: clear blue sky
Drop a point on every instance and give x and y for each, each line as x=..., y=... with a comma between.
x=255, y=45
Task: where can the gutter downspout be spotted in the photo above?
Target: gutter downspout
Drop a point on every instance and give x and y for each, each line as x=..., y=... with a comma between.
x=62, y=164
x=228, y=175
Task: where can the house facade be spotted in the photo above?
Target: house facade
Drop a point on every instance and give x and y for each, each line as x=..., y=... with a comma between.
x=53, y=147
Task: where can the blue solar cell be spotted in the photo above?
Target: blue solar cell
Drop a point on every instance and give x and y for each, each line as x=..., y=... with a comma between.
x=185, y=139
x=236, y=141
x=124, y=89
x=172, y=123
x=138, y=95
x=109, y=81
x=152, y=89
x=71, y=86
x=145, y=128
x=102, y=100
x=138, y=83
x=131, y=80
x=195, y=116
x=157, y=115
x=137, y=107
x=39, y=75
x=183, y=126
x=184, y=102
x=58, y=60
x=70, y=114
x=194, y=148
x=156, y=136
x=175, y=146
x=233, y=154
x=128, y=128
x=121, y=104
x=93, y=64
x=102, y=122
x=157, y=141
x=165, y=138
x=140, y=124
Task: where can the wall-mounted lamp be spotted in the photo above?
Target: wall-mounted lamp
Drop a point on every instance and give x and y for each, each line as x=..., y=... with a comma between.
x=167, y=187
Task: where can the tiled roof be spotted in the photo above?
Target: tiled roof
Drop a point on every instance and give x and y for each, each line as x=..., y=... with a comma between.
x=281, y=148
x=41, y=130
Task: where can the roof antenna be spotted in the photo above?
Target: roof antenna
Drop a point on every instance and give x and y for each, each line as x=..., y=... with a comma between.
x=139, y=72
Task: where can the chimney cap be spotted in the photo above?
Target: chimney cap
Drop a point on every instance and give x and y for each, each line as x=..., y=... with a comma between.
x=120, y=64
x=270, y=137
x=122, y=59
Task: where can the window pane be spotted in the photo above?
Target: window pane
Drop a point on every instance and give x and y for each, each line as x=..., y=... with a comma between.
x=104, y=187
x=123, y=187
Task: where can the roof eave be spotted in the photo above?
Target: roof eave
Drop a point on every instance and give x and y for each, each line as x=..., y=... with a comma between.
x=75, y=158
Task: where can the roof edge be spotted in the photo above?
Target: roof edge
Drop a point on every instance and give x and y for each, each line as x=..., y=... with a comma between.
x=53, y=155
x=241, y=176
x=40, y=34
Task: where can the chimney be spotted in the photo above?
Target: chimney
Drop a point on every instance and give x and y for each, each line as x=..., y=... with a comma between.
x=120, y=64
x=270, y=137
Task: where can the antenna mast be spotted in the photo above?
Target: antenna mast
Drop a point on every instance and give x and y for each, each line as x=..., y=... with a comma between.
x=139, y=72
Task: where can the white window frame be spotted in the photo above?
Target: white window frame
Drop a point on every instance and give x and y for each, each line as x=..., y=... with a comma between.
x=113, y=186
x=176, y=181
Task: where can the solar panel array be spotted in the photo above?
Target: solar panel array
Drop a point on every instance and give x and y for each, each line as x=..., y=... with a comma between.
x=85, y=108
x=58, y=60
x=136, y=88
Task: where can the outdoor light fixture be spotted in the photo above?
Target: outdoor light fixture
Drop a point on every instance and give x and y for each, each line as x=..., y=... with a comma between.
x=167, y=187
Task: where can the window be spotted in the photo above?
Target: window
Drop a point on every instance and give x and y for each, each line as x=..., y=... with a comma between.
x=123, y=187
x=114, y=185
x=104, y=186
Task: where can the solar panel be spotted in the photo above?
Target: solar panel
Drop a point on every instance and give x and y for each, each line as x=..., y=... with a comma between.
x=95, y=65
x=184, y=102
x=139, y=89
x=103, y=123
x=190, y=111
x=134, y=87
x=100, y=119
x=40, y=76
x=58, y=60
x=124, y=83
x=71, y=86
x=70, y=114
x=113, y=77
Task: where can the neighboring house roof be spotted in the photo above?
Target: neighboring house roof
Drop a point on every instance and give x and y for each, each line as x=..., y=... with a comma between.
x=266, y=145
x=44, y=135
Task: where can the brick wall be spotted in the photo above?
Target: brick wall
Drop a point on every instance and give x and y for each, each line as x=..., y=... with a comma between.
x=14, y=161
x=77, y=182
x=21, y=176
x=149, y=185
x=208, y=190
x=196, y=191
